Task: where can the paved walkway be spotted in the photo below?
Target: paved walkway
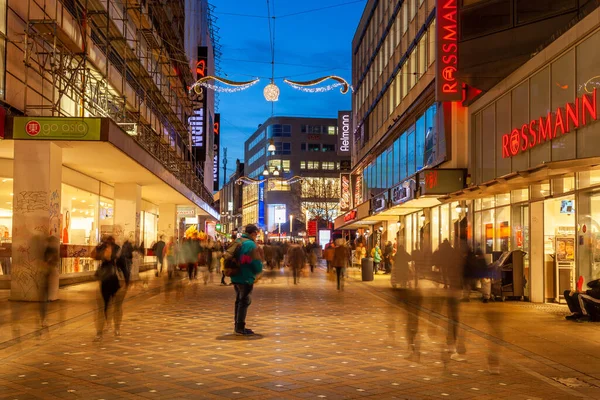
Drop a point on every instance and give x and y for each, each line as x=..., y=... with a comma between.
x=316, y=342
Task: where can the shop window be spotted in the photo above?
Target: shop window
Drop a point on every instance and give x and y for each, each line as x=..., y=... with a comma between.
x=410, y=142
x=435, y=228
x=396, y=161
x=519, y=195
x=487, y=227
x=403, y=156
x=6, y=217
x=420, y=142
x=149, y=228
x=454, y=224
x=478, y=235
x=106, y=213
x=563, y=185
x=477, y=205
x=502, y=199
x=444, y=222
x=80, y=216
x=488, y=202
x=588, y=178
x=540, y=190
x=390, y=167
x=503, y=233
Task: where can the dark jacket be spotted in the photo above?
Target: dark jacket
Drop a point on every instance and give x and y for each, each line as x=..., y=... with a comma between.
x=159, y=249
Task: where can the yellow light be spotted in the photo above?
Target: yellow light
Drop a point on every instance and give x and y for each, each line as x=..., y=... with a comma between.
x=271, y=92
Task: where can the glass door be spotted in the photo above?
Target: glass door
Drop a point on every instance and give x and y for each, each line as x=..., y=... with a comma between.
x=520, y=240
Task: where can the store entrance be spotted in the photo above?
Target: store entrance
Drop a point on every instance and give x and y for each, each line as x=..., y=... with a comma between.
x=520, y=241
x=559, y=247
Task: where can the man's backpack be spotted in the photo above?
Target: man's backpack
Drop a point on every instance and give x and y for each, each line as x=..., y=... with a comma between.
x=232, y=266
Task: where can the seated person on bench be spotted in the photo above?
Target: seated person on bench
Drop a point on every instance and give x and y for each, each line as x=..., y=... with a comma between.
x=585, y=306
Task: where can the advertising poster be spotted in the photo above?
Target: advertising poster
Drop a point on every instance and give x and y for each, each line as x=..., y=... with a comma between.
x=565, y=249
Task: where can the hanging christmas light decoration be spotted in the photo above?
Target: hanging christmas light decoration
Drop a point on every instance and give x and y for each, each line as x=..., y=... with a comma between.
x=271, y=92
x=306, y=86
x=245, y=180
x=234, y=85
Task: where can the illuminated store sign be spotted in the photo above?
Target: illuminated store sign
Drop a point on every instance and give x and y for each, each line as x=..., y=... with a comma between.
x=358, y=186
x=56, y=128
x=344, y=129
x=216, y=143
x=379, y=203
x=538, y=131
x=345, y=190
x=351, y=216
x=261, y=204
x=447, y=86
x=441, y=181
x=402, y=193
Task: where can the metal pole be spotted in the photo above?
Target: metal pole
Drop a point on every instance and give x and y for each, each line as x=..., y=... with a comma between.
x=279, y=232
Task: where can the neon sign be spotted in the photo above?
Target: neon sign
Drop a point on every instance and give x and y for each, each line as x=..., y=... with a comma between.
x=216, y=144
x=563, y=120
x=447, y=85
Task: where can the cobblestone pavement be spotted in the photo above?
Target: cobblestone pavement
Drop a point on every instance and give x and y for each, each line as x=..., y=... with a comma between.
x=314, y=342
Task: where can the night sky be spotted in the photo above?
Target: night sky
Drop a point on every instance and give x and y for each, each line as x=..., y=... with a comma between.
x=307, y=46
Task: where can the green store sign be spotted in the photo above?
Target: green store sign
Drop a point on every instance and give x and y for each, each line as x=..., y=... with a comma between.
x=56, y=128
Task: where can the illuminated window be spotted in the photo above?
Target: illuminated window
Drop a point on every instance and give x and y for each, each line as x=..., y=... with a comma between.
x=277, y=164
x=431, y=37
x=302, y=164
x=312, y=165
x=404, y=73
x=331, y=130
x=404, y=17
x=328, y=165
x=278, y=186
x=413, y=9
x=422, y=55
x=413, y=69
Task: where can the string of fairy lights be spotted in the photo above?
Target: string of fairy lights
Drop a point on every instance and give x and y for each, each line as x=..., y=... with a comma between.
x=271, y=90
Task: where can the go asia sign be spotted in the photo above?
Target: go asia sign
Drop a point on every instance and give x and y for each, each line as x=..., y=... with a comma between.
x=560, y=122
x=447, y=86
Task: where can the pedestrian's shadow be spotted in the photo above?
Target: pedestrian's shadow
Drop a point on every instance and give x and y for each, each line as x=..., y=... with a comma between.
x=233, y=336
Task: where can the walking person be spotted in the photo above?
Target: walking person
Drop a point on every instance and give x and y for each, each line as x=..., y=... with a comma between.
x=341, y=260
x=250, y=266
x=401, y=270
x=171, y=254
x=296, y=259
x=388, y=252
x=328, y=254
x=376, y=254
x=159, y=252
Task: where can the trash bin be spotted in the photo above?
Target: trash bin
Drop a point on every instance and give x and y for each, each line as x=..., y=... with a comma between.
x=367, y=269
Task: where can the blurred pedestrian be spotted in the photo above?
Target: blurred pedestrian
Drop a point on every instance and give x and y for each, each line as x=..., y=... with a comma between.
x=48, y=248
x=296, y=259
x=158, y=250
x=388, y=252
x=401, y=268
x=328, y=254
x=377, y=256
x=250, y=267
x=109, y=273
x=171, y=254
x=340, y=261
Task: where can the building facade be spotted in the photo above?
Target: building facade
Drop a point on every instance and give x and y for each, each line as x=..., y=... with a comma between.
x=308, y=160
x=231, y=202
x=504, y=163
x=97, y=138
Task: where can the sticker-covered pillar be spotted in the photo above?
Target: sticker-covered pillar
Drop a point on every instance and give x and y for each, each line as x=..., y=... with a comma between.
x=36, y=220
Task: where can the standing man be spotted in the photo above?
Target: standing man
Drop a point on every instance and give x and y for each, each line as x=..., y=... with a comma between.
x=243, y=281
x=159, y=252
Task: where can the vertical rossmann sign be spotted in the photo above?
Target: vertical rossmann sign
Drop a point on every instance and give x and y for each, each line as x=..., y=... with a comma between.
x=344, y=133
x=216, y=143
x=447, y=86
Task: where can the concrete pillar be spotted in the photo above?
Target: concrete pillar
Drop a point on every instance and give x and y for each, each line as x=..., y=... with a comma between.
x=36, y=216
x=128, y=206
x=167, y=220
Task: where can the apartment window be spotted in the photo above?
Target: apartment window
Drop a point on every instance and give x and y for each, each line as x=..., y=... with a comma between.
x=278, y=164
x=278, y=130
x=303, y=146
x=422, y=55
x=302, y=164
x=328, y=148
x=314, y=147
x=431, y=37
x=332, y=130
x=312, y=165
x=328, y=165
x=283, y=148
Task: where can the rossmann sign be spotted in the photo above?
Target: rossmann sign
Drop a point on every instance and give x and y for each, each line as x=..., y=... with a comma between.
x=547, y=127
x=448, y=88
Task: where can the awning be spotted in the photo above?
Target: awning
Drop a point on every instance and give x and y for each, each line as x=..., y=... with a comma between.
x=522, y=179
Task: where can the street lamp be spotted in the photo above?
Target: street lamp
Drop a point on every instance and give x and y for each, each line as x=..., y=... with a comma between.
x=271, y=147
x=266, y=171
x=276, y=172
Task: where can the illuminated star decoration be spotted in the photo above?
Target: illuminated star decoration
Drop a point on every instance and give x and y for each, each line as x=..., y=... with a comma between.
x=233, y=85
x=245, y=180
x=306, y=86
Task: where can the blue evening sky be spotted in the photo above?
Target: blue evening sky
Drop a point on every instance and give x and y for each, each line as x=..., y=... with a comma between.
x=307, y=46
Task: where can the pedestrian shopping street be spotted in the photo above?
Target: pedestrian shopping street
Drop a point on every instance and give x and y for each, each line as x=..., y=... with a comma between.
x=314, y=342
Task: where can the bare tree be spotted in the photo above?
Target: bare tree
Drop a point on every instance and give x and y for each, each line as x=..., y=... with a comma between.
x=320, y=198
